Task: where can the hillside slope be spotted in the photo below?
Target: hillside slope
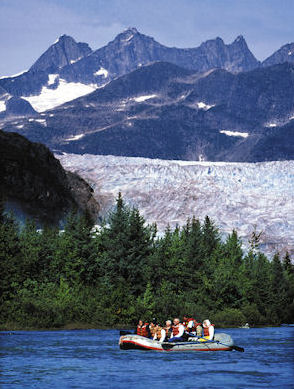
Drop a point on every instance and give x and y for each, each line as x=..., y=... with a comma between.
x=34, y=183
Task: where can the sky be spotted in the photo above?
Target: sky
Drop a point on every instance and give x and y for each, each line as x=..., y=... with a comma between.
x=29, y=27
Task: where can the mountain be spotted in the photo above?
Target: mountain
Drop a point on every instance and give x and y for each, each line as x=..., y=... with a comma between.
x=16, y=106
x=130, y=50
x=284, y=54
x=41, y=84
x=64, y=51
x=163, y=111
x=33, y=183
x=69, y=69
x=235, y=195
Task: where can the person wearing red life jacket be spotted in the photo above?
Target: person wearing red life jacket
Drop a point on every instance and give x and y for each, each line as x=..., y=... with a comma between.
x=143, y=329
x=192, y=327
x=208, y=331
x=178, y=331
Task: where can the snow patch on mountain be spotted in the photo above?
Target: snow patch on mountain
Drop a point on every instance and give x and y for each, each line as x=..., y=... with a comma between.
x=75, y=60
x=41, y=121
x=235, y=133
x=75, y=137
x=129, y=38
x=140, y=99
x=204, y=106
x=101, y=72
x=2, y=106
x=234, y=195
x=51, y=98
x=52, y=78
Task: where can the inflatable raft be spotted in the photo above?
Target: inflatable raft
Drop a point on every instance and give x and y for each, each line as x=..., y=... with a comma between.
x=221, y=342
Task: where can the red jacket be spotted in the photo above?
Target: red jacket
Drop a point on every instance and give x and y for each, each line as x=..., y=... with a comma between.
x=143, y=331
x=195, y=324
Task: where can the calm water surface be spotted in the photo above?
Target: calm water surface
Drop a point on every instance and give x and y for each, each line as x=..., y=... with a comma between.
x=92, y=359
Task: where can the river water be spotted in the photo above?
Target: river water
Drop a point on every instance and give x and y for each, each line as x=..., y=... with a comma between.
x=92, y=359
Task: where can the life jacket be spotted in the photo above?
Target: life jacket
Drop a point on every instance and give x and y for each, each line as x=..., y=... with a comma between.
x=152, y=331
x=192, y=329
x=176, y=329
x=206, y=330
x=143, y=331
x=158, y=332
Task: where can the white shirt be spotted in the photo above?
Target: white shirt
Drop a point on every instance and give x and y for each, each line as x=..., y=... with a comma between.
x=162, y=335
x=181, y=331
x=191, y=325
x=211, y=332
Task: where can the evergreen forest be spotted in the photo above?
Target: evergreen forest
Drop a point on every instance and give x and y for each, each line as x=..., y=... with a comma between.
x=112, y=276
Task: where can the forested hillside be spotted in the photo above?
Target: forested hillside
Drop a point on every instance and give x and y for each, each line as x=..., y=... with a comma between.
x=123, y=272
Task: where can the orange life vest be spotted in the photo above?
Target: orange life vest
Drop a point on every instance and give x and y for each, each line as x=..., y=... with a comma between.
x=158, y=332
x=152, y=330
x=206, y=330
x=176, y=329
x=143, y=331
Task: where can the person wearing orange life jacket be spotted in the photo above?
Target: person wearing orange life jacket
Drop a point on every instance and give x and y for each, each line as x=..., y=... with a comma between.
x=152, y=328
x=208, y=331
x=159, y=333
x=143, y=329
x=178, y=331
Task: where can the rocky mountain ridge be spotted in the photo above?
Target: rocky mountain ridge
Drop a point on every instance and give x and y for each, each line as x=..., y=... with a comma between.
x=69, y=69
x=163, y=111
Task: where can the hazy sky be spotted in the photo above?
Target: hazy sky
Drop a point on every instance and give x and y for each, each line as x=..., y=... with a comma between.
x=29, y=27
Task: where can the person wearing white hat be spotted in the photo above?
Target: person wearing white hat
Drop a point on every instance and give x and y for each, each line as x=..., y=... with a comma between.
x=208, y=330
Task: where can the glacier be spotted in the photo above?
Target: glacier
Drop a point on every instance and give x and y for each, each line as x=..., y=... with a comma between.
x=236, y=196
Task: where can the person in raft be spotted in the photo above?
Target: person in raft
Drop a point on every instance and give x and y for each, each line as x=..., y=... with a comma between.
x=152, y=328
x=143, y=329
x=168, y=330
x=159, y=333
x=208, y=331
x=178, y=331
x=192, y=326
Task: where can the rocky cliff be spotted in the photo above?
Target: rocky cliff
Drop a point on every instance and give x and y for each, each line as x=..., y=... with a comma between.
x=33, y=179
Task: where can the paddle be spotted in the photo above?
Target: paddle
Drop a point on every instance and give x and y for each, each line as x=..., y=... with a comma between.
x=237, y=348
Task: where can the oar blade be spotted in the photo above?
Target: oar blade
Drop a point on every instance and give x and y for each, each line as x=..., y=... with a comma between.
x=237, y=348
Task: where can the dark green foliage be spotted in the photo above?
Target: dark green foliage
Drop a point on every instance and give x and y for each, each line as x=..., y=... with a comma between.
x=121, y=272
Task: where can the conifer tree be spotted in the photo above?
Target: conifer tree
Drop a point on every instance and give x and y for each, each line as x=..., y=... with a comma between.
x=278, y=292
x=11, y=275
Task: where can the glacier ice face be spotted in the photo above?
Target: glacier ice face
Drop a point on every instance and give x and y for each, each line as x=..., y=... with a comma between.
x=234, y=195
